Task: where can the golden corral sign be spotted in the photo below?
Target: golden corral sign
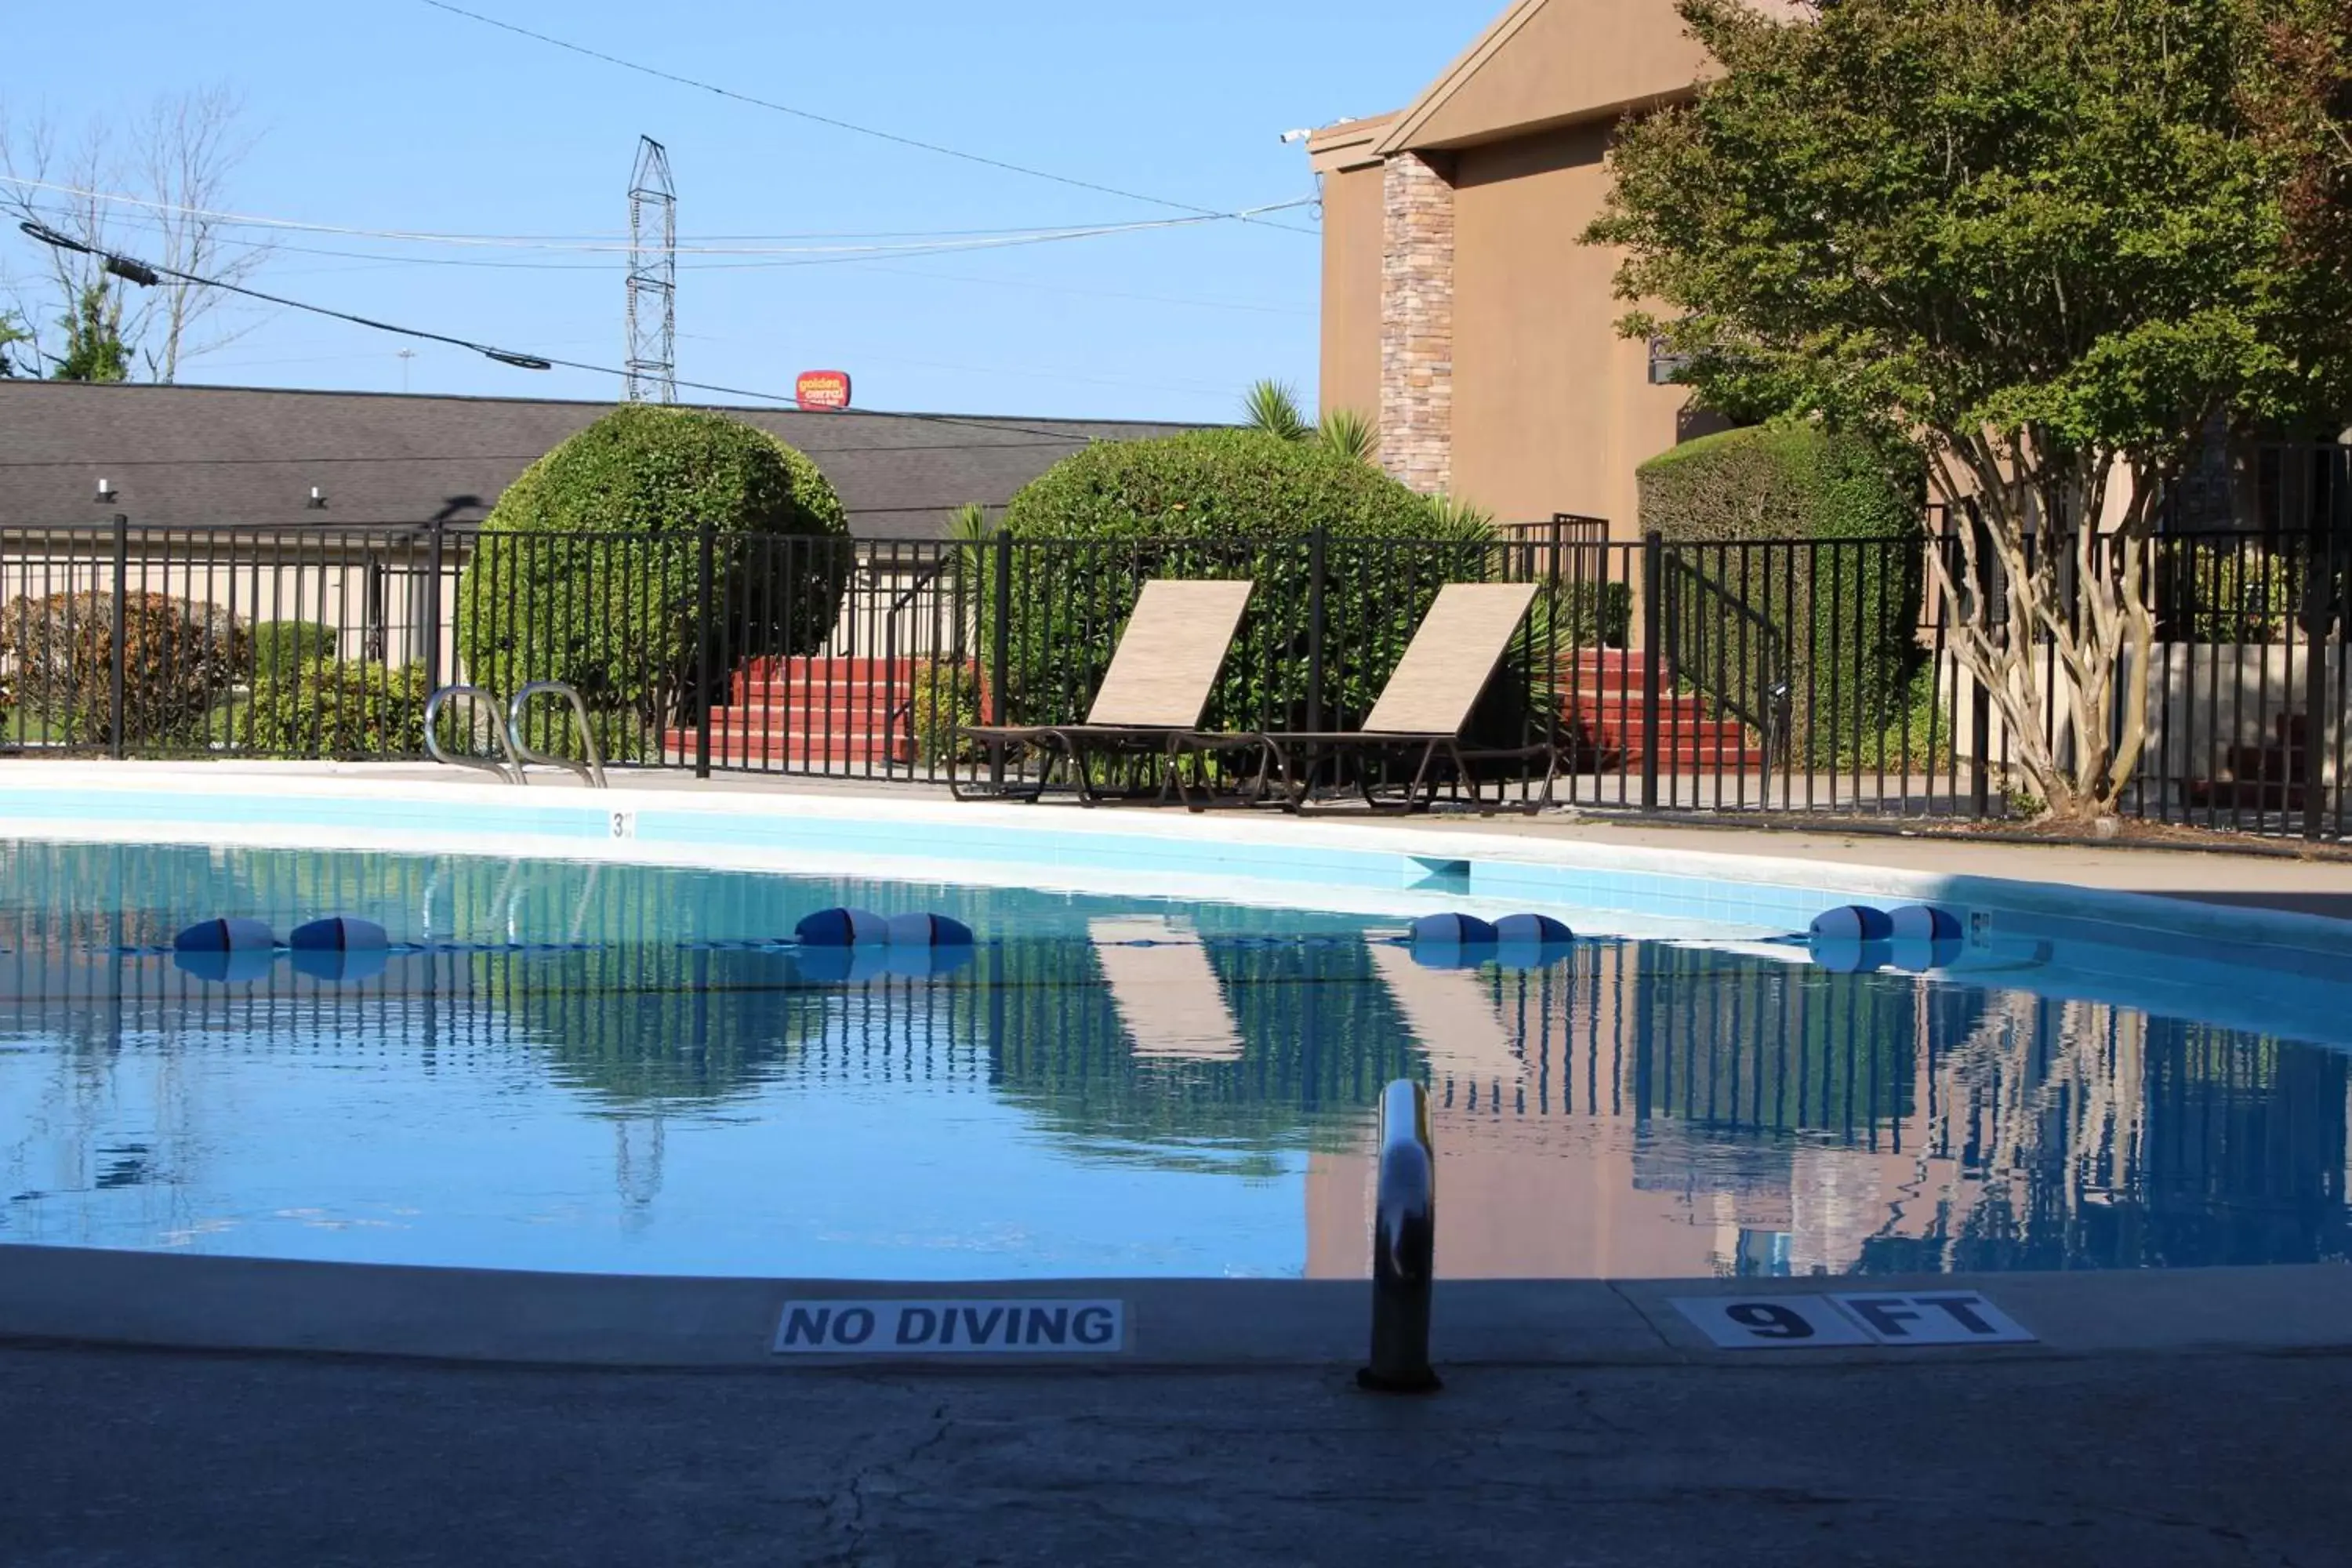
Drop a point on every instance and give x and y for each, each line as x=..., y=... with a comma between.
x=822, y=389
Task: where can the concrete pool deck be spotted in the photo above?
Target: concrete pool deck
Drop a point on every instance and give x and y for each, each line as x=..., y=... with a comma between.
x=135, y=1459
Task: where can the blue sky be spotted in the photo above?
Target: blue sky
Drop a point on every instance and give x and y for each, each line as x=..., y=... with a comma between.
x=388, y=114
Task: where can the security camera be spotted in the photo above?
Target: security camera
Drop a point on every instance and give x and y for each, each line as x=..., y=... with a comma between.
x=1290, y=136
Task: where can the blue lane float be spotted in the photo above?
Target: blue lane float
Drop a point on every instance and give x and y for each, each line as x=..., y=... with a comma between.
x=339, y=934
x=1852, y=922
x=927, y=931
x=1451, y=941
x=1922, y=922
x=1452, y=931
x=231, y=933
x=1531, y=941
x=843, y=928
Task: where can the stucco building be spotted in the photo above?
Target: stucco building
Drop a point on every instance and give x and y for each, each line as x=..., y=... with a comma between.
x=1459, y=306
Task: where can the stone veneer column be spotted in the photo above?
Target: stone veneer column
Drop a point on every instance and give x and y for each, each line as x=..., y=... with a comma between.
x=1417, y=323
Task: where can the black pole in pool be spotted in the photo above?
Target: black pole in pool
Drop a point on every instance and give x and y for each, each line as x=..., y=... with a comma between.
x=1404, y=1246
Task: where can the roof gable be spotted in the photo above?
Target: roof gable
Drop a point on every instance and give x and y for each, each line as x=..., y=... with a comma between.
x=1551, y=62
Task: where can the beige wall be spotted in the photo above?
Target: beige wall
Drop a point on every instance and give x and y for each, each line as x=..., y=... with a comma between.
x=1552, y=410
x=1351, y=290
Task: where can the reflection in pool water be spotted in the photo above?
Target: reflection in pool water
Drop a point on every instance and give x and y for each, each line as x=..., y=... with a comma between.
x=594, y=1067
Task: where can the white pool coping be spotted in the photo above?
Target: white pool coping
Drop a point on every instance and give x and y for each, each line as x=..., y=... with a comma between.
x=1246, y=858
x=86, y=1296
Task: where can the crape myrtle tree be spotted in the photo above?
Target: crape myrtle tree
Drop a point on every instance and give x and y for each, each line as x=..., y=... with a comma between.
x=2051, y=243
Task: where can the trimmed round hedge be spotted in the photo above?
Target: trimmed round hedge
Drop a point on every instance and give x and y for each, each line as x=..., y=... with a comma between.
x=588, y=569
x=1222, y=504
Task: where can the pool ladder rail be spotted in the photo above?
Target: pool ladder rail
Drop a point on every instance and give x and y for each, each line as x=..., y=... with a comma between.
x=510, y=734
x=1404, y=1246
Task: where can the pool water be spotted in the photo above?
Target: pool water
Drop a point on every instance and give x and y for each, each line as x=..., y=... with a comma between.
x=613, y=1067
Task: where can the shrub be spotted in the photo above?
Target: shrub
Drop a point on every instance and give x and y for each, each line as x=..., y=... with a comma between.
x=179, y=658
x=279, y=646
x=324, y=708
x=1845, y=612
x=588, y=568
x=1226, y=504
x=948, y=696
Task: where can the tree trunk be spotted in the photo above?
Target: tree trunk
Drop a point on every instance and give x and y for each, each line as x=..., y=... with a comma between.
x=2051, y=615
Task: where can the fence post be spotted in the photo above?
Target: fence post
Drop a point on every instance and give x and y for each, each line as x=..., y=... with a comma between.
x=435, y=531
x=2319, y=614
x=704, y=637
x=1653, y=570
x=118, y=650
x=1000, y=649
x=1318, y=552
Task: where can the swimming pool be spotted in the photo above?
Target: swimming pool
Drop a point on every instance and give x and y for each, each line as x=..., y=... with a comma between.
x=612, y=1067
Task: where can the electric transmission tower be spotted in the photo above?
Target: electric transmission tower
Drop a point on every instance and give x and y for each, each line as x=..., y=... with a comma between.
x=653, y=277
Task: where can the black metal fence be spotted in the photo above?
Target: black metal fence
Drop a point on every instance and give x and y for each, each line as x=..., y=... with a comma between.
x=1761, y=677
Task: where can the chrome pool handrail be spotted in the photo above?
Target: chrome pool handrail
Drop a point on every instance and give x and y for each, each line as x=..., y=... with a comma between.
x=1404, y=1246
x=593, y=773
x=432, y=706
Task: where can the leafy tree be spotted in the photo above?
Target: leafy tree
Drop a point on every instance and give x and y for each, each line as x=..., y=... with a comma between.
x=2049, y=244
x=11, y=334
x=94, y=347
x=178, y=156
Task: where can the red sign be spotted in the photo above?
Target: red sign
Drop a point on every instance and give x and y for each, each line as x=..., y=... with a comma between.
x=822, y=389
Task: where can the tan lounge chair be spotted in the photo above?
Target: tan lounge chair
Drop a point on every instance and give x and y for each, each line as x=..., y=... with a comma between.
x=1427, y=702
x=1152, y=698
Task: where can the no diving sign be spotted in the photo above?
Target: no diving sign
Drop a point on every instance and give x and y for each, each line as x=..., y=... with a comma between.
x=1877, y=1318
x=929, y=1328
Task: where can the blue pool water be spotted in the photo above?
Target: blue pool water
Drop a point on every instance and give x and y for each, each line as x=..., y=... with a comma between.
x=612, y=1068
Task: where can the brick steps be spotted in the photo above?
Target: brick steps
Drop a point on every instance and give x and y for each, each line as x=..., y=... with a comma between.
x=1606, y=696
x=813, y=712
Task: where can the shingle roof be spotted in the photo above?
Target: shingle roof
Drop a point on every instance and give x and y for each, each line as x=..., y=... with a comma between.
x=193, y=456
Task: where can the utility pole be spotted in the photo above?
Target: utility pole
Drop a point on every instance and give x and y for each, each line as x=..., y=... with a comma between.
x=405, y=355
x=653, y=277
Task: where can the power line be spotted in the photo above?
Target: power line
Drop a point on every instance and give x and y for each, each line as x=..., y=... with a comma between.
x=811, y=115
x=754, y=245
x=147, y=274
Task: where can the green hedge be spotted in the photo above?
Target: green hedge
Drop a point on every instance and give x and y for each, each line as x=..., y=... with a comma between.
x=588, y=568
x=326, y=709
x=1846, y=610
x=1227, y=504
x=279, y=646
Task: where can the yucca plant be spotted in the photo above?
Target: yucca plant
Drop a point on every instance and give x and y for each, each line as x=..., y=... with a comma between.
x=1351, y=435
x=1453, y=520
x=1272, y=408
